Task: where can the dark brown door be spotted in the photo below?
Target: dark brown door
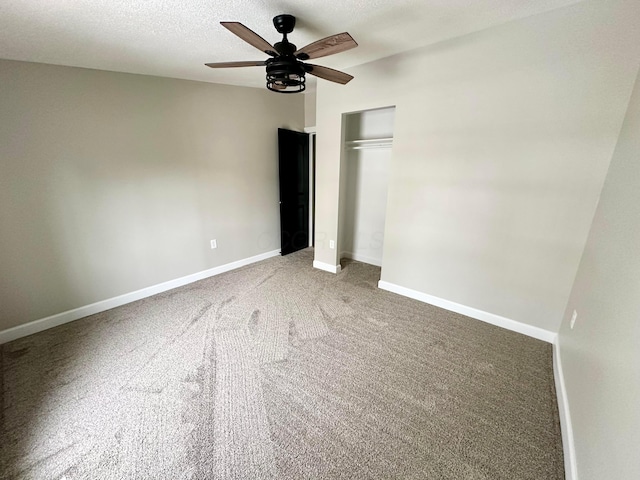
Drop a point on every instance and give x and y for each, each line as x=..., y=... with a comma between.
x=293, y=150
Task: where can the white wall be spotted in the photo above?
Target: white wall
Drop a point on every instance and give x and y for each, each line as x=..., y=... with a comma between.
x=601, y=355
x=502, y=140
x=113, y=182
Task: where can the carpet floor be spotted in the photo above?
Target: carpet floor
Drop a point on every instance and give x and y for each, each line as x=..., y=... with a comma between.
x=279, y=371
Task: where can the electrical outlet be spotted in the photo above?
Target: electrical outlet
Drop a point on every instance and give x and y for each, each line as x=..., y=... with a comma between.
x=573, y=319
x=332, y=244
x=214, y=243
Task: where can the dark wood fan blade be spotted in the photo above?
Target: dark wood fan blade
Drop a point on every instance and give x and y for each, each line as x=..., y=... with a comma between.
x=327, y=46
x=251, y=37
x=328, y=73
x=259, y=63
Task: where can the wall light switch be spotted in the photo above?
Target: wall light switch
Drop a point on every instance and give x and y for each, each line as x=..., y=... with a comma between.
x=214, y=244
x=573, y=319
x=332, y=244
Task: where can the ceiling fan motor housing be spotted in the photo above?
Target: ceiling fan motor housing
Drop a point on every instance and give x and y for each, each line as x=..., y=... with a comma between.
x=285, y=48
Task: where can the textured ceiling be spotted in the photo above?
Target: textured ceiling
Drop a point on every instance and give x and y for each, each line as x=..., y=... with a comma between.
x=174, y=38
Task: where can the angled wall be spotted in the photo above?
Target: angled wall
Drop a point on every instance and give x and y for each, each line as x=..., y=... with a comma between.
x=601, y=354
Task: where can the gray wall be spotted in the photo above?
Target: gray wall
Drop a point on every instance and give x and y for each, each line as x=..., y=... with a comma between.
x=502, y=140
x=114, y=182
x=601, y=355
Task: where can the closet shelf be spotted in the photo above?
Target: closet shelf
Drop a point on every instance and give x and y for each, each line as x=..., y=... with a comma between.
x=369, y=143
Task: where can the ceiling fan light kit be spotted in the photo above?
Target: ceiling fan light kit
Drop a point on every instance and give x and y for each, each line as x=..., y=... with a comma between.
x=285, y=69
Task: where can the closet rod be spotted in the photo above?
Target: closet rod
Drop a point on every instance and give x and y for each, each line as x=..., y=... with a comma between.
x=370, y=140
x=369, y=143
x=368, y=147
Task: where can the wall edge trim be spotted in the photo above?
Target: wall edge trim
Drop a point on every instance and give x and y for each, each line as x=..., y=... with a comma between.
x=487, y=317
x=327, y=267
x=362, y=258
x=566, y=427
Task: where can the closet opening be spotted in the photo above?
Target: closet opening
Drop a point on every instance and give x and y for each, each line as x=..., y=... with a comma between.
x=364, y=180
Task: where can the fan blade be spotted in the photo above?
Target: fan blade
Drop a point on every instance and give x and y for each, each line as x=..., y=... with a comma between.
x=327, y=46
x=259, y=63
x=251, y=37
x=328, y=73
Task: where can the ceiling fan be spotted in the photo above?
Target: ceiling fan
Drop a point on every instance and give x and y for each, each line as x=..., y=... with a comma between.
x=286, y=69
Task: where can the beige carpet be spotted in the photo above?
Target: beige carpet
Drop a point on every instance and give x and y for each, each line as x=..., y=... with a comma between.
x=279, y=371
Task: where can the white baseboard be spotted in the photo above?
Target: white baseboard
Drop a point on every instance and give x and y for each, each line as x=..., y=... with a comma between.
x=568, y=446
x=529, y=330
x=327, y=267
x=362, y=258
x=81, y=312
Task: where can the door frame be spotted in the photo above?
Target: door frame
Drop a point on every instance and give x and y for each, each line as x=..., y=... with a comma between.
x=292, y=168
x=312, y=182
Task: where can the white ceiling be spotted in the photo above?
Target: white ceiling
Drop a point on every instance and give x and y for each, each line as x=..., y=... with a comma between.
x=174, y=38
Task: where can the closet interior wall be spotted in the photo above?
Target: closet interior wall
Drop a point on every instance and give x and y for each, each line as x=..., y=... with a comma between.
x=368, y=138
